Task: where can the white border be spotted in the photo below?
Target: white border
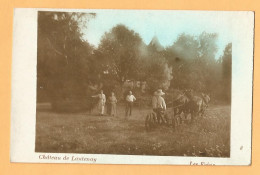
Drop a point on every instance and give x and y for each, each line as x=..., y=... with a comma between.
x=23, y=109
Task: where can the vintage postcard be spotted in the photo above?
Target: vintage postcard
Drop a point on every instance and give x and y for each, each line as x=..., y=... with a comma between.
x=132, y=86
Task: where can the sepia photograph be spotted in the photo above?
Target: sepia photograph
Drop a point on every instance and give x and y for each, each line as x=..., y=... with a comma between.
x=132, y=86
x=122, y=83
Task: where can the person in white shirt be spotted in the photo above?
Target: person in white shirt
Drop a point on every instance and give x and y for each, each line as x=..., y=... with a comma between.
x=101, y=102
x=159, y=105
x=129, y=104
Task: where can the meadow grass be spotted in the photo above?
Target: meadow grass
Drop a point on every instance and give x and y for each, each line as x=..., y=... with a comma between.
x=207, y=136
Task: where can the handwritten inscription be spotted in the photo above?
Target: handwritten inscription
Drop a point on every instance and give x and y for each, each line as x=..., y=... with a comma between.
x=74, y=158
x=68, y=158
x=201, y=163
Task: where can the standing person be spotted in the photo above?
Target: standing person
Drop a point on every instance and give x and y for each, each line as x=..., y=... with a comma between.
x=113, y=102
x=159, y=105
x=129, y=104
x=101, y=102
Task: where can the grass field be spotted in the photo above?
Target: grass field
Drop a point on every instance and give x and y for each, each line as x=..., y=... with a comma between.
x=208, y=136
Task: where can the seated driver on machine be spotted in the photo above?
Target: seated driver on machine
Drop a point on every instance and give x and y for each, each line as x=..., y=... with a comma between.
x=159, y=105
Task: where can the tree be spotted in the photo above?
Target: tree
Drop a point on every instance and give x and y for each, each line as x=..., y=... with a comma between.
x=193, y=62
x=186, y=47
x=208, y=63
x=62, y=55
x=227, y=72
x=119, y=54
x=208, y=47
x=157, y=72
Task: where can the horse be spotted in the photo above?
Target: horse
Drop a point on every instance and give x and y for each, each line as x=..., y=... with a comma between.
x=185, y=105
x=196, y=103
x=206, y=100
x=151, y=121
x=182, y=103
x=201, y=100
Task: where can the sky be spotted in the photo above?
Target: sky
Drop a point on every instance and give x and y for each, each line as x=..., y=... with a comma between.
x=166, y=25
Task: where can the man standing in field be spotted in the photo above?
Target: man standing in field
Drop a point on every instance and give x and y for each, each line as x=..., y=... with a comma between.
x=101, y=102
x=159, y=105
x=129, y=104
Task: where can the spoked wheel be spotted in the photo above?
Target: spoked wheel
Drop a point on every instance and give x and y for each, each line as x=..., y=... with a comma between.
x=151, y=121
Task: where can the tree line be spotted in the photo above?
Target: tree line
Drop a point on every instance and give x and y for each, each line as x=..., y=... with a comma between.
x=68, y=67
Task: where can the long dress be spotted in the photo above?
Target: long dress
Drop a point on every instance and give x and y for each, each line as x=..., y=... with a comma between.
x=101, y=103
x=113, y=102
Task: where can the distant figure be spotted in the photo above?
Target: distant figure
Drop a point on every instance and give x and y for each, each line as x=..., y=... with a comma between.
x=129, y=104
x=159, y=105
x=206, y=98
x=101, y=102
x=113, y=102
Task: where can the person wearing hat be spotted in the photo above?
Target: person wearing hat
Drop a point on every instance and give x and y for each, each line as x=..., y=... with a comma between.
x=159, y=105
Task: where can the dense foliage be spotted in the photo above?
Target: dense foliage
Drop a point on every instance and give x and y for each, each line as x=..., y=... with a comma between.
x=69, y=68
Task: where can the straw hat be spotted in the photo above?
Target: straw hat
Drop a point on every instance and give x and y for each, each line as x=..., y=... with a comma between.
x=159, y=92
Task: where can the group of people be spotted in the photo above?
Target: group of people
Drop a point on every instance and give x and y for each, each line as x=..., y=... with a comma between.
x=112, y=101
x=158, y=103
